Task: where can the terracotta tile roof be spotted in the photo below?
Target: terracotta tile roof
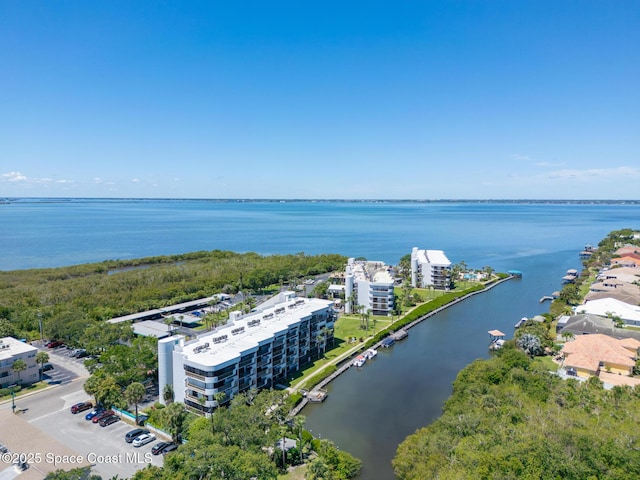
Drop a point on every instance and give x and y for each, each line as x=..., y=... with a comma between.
x=587, y=351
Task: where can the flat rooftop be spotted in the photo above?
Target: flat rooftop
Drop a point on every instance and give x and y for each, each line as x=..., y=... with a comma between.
x=434, y=257
x=228, y=342
x=9, y=347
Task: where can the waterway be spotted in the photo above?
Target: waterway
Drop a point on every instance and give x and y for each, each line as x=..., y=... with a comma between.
x=370, y=411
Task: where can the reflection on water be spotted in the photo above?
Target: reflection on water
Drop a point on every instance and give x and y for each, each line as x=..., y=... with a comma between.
x=369, y=411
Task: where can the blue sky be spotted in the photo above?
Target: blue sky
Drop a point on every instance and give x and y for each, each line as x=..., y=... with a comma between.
x=337, y=100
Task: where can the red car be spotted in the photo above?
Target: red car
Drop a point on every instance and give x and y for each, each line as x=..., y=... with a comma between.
x=81, y=407
x=102, y=415
x=54, y=344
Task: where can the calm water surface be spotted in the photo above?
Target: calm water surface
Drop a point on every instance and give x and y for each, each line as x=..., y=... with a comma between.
x=369, y=411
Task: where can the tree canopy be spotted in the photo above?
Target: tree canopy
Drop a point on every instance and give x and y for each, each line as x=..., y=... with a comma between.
x=509, y=419
x=75, y=299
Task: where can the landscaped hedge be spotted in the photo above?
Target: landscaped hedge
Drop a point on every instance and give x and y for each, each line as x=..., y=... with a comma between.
x=421, y=311
x=318, y=377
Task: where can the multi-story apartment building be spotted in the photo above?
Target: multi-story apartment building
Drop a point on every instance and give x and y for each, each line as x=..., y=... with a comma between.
x=10, y=351
x=430, y=268
x=258, y=350
x=368, y=285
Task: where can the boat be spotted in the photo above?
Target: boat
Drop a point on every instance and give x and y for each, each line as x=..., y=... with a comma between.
x=388, y=341
x=370, y=353
x=360, y=361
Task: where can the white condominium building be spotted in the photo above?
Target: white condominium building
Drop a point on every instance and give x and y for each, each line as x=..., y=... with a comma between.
x=10, y=351
x=368, y=285
x=430, y=268
x=258, y=350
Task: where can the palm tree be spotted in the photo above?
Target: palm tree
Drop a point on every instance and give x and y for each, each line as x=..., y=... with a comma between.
x=167, y=393
x=298, y=424
x=42, y=358
x=567, y=336
x=19, y=366
x=134, y=393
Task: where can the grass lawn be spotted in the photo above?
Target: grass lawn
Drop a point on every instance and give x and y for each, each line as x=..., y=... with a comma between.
x=296, y=473
x=547, y=362
x=27, y=389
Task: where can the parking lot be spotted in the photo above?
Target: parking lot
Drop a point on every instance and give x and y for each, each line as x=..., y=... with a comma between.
x=48, y=412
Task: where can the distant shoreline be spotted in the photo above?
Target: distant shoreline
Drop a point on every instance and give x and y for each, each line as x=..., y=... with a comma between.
x=9, y=200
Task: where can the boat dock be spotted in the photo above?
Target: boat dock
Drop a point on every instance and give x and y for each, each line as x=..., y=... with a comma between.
x=399, y=335
x=546, y=297
x=316, y=395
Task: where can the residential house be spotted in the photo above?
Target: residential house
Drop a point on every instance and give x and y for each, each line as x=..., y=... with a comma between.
x=590, y=354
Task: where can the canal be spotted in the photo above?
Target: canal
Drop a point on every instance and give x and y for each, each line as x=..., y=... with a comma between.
x=370, y=411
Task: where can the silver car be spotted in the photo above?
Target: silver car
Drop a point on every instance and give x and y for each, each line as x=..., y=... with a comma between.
x=143, y=439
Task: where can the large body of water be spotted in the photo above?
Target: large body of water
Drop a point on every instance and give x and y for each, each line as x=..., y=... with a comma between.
x=369, y=411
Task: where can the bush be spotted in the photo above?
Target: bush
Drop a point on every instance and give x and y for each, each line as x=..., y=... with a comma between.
x=317, y=378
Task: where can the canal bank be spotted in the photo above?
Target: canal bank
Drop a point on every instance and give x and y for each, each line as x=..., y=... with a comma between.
x=371, y=410
x=344, y=363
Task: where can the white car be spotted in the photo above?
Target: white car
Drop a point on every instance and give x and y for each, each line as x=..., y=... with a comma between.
x=143, y=439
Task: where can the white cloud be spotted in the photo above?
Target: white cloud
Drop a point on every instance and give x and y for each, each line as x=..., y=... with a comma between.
x=135, y=180
x=97, y=180
x=13, y=177
x=590, y=173
x=20, y=177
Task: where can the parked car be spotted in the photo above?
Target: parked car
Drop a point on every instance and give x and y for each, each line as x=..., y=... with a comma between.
x=159, y=447
x=132, y=434
x=81, y=407
x=3, y=449
x=108, y=420
x=46, y=367
x=93, y=413
x=169, y=448
x=572, y=371
x=143, y=439
x=54, y=344
x=101, y=415
x=79, y=353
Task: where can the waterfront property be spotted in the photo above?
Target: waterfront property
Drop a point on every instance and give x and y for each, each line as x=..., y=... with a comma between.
x=368, y=286
x=607, y=307
x=590, y=354
x=430, y=268
x=10, y=351
x=258, y=350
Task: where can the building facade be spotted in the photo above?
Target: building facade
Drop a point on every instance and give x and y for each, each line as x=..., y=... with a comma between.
x=12, y=350
x=430, y=268
x=254, y=351
x=368, y=285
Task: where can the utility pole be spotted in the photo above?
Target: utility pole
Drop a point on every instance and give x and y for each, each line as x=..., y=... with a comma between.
x=40, y=322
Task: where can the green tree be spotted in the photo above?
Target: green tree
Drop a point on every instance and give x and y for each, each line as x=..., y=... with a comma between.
x=81, y=473
x=176, y=416
x=104, y=389
x=18, y=367
x=134, y=393
x=6, y=328
x=42, y=358
x=167, y=393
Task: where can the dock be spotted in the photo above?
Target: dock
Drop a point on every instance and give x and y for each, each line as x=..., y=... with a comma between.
x=317, y=396
x=399, y=335
x=546, y=297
